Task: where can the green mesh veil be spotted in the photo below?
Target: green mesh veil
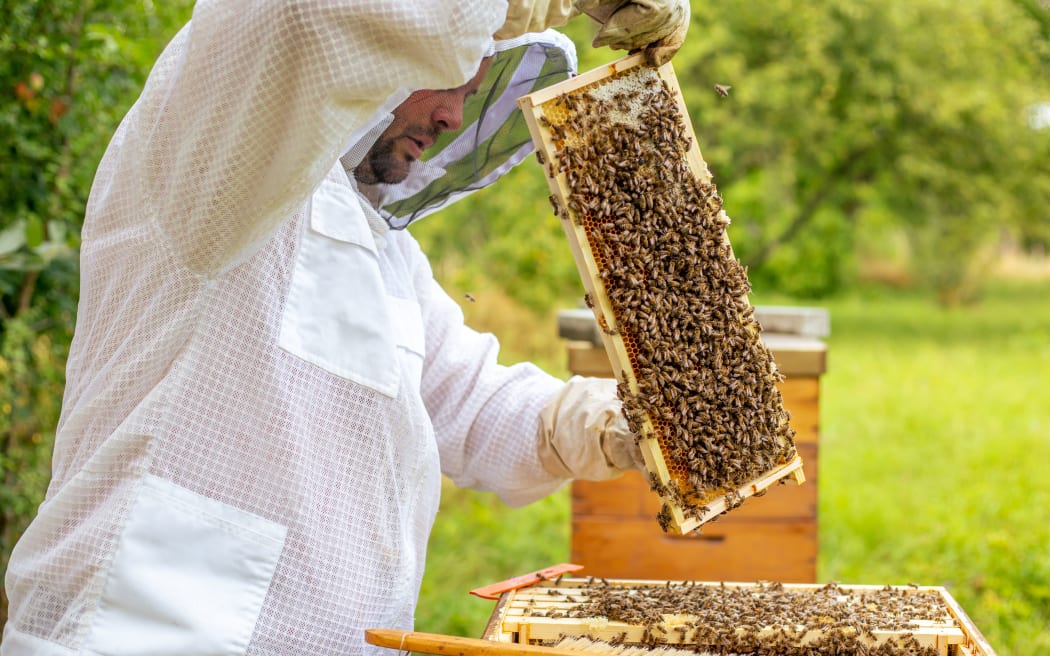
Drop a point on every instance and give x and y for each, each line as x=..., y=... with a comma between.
x=494, y=137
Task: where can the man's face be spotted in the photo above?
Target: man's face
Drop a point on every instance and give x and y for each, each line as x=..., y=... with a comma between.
x=417, y=123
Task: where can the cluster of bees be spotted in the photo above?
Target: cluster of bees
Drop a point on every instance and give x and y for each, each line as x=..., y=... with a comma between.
x=703, y=383
x=765, y=618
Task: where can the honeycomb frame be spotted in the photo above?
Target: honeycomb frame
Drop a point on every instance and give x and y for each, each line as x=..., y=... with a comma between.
x=544, y=112
x=551, y=611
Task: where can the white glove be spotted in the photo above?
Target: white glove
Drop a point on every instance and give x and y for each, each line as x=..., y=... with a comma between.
x=584, y=435
x=659, y=26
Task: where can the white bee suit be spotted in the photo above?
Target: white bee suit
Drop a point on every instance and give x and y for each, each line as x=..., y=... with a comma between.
x=266, y=382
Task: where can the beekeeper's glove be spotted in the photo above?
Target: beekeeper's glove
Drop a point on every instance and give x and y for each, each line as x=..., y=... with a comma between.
x=659, y=26
x=584, y=435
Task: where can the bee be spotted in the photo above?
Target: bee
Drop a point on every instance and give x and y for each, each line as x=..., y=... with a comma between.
x=665, y=518
x=470, y=297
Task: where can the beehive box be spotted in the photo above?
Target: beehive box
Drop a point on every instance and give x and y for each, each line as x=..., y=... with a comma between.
x=772, y=538
x=648, y=233
x=737, y=618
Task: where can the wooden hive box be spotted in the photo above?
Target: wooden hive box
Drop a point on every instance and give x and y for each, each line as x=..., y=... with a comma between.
x=774, y=537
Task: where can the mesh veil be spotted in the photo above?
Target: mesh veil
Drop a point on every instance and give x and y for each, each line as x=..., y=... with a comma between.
x=494, y=137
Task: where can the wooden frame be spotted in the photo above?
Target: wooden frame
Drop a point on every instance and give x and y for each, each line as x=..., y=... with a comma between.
x=511, y=621
x=535, y=108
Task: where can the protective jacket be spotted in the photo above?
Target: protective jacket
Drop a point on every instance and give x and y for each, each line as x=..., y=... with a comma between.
x=266, y=382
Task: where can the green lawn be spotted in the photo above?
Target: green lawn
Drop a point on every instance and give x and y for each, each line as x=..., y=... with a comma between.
x=935, y=445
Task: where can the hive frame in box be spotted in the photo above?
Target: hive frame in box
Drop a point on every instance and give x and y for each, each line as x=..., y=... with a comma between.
x=533, y=108
x=510, y=623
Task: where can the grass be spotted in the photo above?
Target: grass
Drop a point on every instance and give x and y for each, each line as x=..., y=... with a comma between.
x=936, y=431
x=935, y=439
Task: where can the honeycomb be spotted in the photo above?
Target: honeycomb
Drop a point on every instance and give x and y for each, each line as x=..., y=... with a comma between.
x=761, y=618
x=667, y=292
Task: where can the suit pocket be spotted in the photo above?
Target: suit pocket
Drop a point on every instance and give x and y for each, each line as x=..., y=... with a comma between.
x=336, y=315
x=189, y=576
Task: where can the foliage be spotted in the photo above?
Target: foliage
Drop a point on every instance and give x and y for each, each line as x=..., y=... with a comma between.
x=838, y=112
x=919, y=108
x=69, y=70
x=31, y=379
x=934, y=423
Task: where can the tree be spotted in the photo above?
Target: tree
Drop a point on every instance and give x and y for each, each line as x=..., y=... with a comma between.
x=848, y=113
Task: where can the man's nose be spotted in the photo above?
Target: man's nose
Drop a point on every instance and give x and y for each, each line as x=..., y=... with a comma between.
x=448, y=114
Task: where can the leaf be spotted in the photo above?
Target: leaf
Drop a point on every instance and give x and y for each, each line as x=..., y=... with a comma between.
x=12, y=238
x=34, y=231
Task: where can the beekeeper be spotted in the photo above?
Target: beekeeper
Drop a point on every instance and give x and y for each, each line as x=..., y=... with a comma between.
x=266, y=382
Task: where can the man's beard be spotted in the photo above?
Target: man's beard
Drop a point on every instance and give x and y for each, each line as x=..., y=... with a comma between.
x=381, y=165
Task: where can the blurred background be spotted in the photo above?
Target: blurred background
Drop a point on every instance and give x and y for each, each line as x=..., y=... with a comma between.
x=889, y=162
